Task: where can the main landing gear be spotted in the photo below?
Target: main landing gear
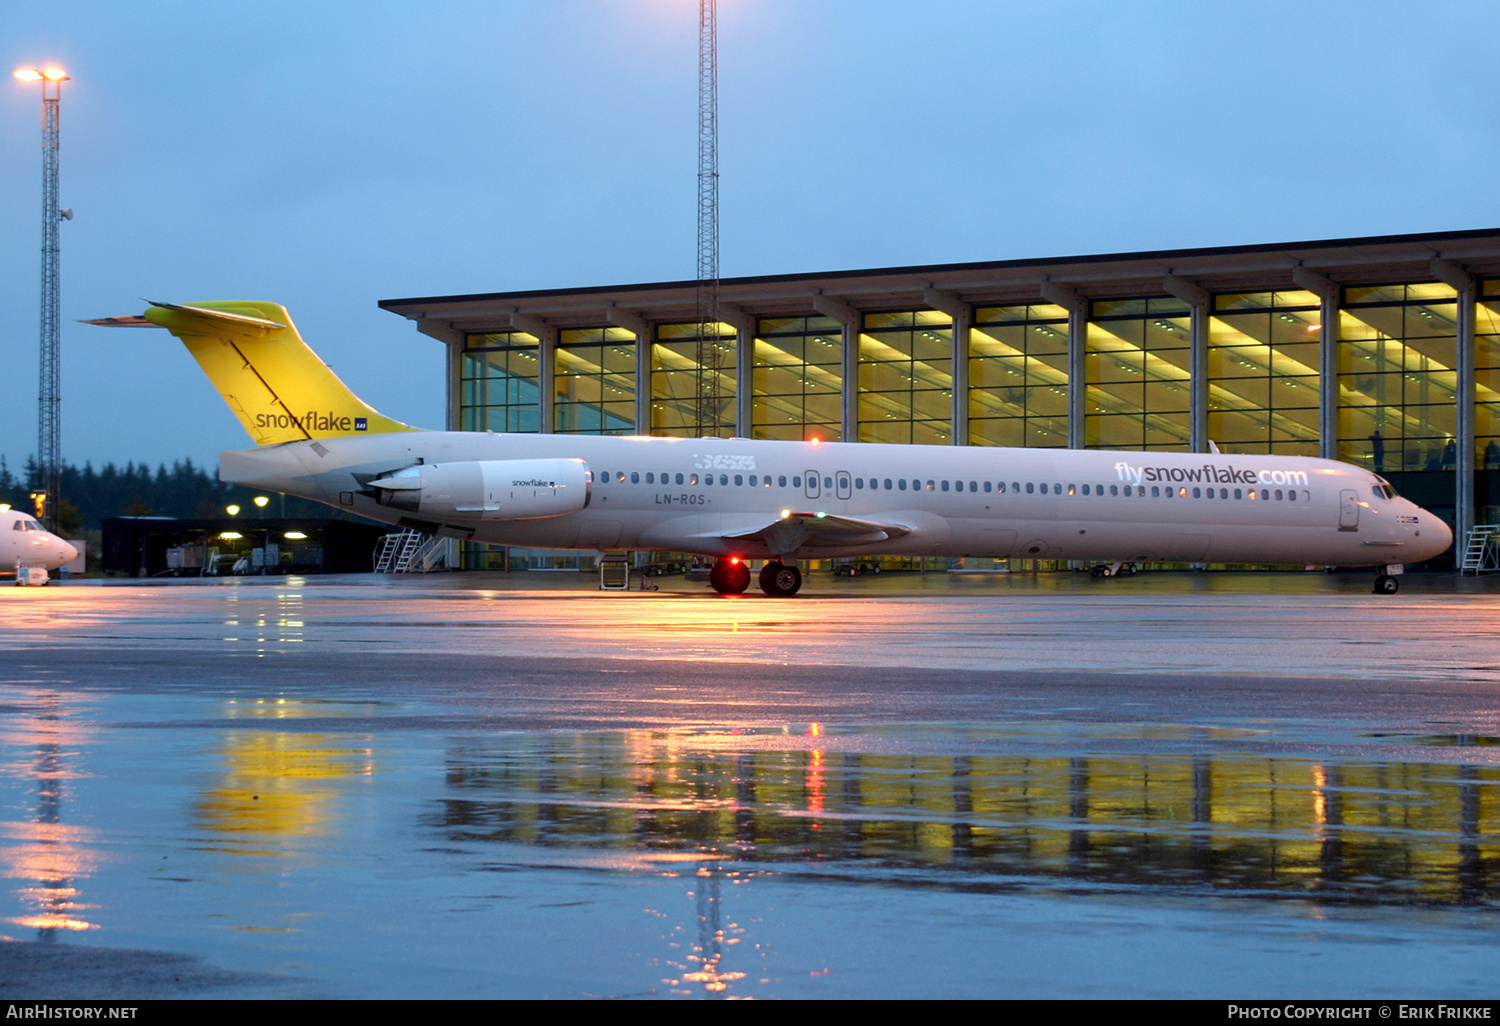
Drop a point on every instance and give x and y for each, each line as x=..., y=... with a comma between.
x=779, y=580
x=1112, y=570
x=730, y=576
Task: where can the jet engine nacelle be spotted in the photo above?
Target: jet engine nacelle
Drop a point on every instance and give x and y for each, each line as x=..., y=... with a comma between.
x=488, y=489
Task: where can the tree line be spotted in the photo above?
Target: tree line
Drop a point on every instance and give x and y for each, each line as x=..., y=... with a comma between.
x=184, y=490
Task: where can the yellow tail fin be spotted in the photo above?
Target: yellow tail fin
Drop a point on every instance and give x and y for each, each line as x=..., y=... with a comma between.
x=272, y=381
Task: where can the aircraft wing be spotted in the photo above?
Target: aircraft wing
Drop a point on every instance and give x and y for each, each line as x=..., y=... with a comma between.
x=819, y=530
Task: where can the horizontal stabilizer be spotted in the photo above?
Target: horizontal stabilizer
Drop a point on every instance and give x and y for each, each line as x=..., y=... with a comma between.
x=187, y=318
x=125, y=321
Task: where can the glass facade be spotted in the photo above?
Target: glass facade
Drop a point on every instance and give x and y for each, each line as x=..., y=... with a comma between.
x=1136, y=373
x=594, y=382
x=1018, y=376
x=499, y=383
x=906, y=378
x=797, y=379
x=1263, y=372
x=675, y=378
x=1391, y=406
x=1397, y=354
x=1487, y=378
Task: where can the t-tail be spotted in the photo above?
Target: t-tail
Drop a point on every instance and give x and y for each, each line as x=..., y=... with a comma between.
x=273, y=382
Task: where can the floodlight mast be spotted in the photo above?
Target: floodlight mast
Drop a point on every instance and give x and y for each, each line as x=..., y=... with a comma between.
x=49, y=398
x=709, y=355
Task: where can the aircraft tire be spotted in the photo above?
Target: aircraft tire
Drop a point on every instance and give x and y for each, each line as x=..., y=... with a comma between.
x=779, y=580
x=1385, y=584
x=729, y=577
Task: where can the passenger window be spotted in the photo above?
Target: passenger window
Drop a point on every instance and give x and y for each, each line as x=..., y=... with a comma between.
x=859, y=483
x=754, y=481
x=1031, y=487
x=692, y=479
x=1072, y=489
x=739, y=479
x=945, y=486
x=828, y=482
x=887, y=484
x=986, y=488
x=903, y=484
x=679, y=479
x=651, y=479
x=1237, y=494
x=781, y=481
x=796, y=481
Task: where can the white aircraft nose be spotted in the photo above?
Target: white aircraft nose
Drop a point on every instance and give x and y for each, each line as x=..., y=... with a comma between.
x=66, y=552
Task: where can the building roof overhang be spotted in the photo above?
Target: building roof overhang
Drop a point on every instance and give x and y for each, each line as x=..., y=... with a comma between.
x=1378, y=260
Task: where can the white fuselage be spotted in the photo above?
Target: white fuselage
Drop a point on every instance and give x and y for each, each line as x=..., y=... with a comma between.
x=23, y=542
x=707, y=495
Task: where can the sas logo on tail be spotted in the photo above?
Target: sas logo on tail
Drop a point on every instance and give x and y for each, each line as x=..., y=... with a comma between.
x=312, y=420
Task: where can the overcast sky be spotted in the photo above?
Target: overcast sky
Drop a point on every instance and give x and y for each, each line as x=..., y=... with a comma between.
x=329, y=155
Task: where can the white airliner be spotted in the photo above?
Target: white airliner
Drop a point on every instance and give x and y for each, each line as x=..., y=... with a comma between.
x=24, y=543
x=741, y=499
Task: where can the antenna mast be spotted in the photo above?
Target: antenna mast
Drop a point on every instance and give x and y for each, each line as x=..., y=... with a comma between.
x=49, y=397
x=709, y=355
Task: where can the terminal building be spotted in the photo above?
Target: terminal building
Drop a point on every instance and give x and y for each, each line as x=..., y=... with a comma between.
x=1382, y=352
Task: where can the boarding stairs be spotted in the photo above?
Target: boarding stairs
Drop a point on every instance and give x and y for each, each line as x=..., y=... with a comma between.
x=1482, y=550
x=409, y=552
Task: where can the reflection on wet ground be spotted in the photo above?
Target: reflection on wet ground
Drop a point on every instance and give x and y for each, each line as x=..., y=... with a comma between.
x=323, y=822
x=271, y=847
x=1362, y=832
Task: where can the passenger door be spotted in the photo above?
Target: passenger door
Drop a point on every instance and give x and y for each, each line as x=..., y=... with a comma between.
x=1348, y=510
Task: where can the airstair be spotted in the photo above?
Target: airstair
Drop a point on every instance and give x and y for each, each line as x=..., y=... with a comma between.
x=409, y=552
x=1482, y=551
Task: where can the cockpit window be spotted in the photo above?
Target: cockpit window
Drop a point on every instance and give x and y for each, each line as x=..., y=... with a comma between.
x=1384, y=488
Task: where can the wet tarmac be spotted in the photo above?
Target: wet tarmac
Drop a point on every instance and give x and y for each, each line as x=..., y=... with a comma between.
x=491, y=786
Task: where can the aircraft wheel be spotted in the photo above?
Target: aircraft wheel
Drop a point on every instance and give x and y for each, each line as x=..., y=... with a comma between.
x=1385, y=584
x=1096, y=572
x=779, y=580
x=729, y=576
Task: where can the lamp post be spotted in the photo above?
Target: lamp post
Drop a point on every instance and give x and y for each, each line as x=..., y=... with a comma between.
x=49, y=424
